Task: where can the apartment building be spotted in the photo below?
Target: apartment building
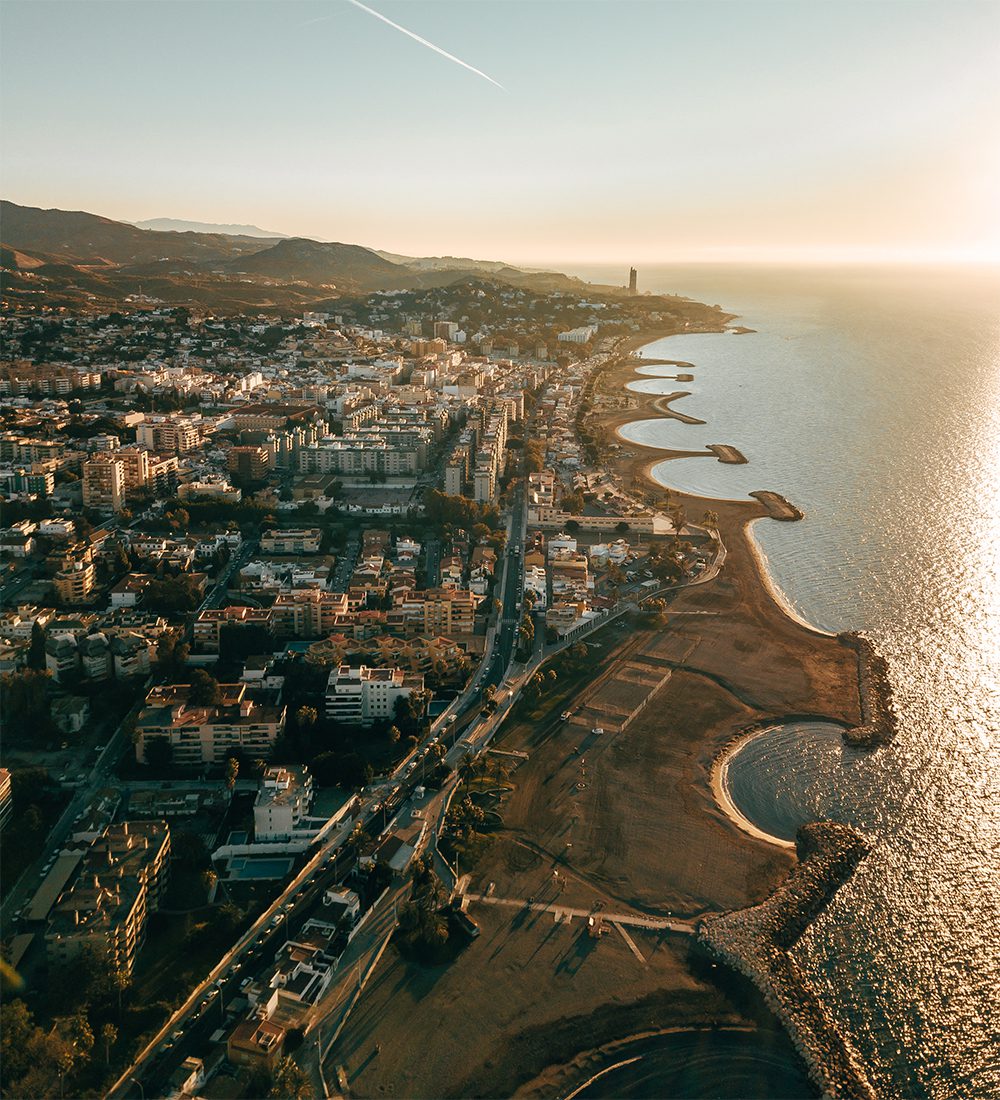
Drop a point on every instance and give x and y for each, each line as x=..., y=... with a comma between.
x=6, y=797
x=135, y=465
x=75, y=584
x=360, y=696
x=104, y=482
x=205, y=733
x=122, y=878
x=436, y=611
x=308, y=612
x=210, y=623
x=174, y=435
x=248, y=463
x=291, y=542
x=284, y=799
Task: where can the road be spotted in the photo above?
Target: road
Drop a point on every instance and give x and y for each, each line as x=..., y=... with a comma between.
x=220, y=590
x=189, y=1028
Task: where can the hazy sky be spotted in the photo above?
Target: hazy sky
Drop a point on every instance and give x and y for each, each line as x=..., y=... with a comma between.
x=633, y=132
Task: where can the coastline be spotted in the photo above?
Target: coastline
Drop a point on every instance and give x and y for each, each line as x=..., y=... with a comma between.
x=720, y=770
x=542, y=994
x=774, y=589
x=757, y=941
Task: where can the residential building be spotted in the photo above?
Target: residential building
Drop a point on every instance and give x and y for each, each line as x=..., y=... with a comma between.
x=248, y=464
x=365, y=695
x=284, y=799
x=122, y=879
x=6, y=797
x=205, y=733
x=104, y=483
x=75, y=584
x=291, y=542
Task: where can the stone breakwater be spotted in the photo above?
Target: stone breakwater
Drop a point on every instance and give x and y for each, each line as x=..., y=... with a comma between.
x=725, y=452
x=878, y=714
x=777, y=507
x=757, y=943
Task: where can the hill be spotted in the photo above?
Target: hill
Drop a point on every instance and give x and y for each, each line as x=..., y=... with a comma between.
x=81, y=260
x=298, y=259
x=90, y=239
x=178, y=225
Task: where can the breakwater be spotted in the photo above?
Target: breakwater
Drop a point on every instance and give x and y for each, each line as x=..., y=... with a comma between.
x=777, y=507
x=878, y=713
x=757, y=943
x=725, y=452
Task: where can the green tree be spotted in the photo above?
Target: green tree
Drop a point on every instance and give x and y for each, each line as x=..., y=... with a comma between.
x=159, y=753
x=232, y=771
x=109, y=1034
x=204, y=689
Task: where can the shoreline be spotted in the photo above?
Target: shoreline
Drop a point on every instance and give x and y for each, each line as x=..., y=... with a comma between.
x=720, y=769
x=757, y=941
x=775, y=590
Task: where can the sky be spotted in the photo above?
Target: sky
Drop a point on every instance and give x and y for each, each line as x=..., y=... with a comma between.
x=607, y=130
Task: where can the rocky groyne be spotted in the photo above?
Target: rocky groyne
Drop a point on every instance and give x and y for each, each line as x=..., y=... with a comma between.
x=878, y=714
x=777, y=507
x=725, y=452
x=757, y=942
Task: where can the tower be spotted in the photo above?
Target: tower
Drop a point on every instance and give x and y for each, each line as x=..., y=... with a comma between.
x=632, y=276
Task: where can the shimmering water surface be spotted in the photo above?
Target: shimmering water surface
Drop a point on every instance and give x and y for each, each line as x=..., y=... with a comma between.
x=705, y=1065
x=872, y=401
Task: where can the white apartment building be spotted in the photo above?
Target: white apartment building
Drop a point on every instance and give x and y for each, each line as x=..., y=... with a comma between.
x=365, y=695
x=284, y=798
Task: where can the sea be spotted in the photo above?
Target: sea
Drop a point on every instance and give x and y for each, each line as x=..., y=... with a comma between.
x=870, y=398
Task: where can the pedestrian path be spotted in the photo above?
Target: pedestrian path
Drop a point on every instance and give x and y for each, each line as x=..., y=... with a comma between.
x=567, y=913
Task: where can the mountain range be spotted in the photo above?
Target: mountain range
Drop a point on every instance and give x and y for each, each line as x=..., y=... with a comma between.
x=178, y=225
x=82, y=260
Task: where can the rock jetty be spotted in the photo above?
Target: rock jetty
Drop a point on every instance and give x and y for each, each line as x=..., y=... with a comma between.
x=878, y=714
x=777, y=507
x=757, y=942
x=725, y=452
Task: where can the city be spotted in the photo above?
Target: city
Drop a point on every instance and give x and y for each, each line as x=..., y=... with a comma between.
x=271, y=588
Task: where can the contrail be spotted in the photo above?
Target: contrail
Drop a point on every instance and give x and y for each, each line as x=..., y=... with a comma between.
x=429, y=45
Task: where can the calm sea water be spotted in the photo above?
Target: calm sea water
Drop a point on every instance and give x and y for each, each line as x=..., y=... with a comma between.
x=872, y=401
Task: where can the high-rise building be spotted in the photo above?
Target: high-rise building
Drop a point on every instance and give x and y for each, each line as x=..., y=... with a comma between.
x=248, y=464
x=104, y=483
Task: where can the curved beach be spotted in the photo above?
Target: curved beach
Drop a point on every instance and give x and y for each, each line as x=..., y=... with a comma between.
x=758, y=944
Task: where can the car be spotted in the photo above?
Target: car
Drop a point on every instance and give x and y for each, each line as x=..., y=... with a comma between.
x=597, y=731
x=564, y=717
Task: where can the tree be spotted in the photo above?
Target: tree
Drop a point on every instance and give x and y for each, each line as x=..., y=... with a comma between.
x=290, y=1082
x=573, y=502
x=171, y=655
x=306, y=719
x=204, y=689
x=109, y=1033
x=232, y=771
x=159, y=753
x=710, y=520
x=36, y=654
x=622, y=527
